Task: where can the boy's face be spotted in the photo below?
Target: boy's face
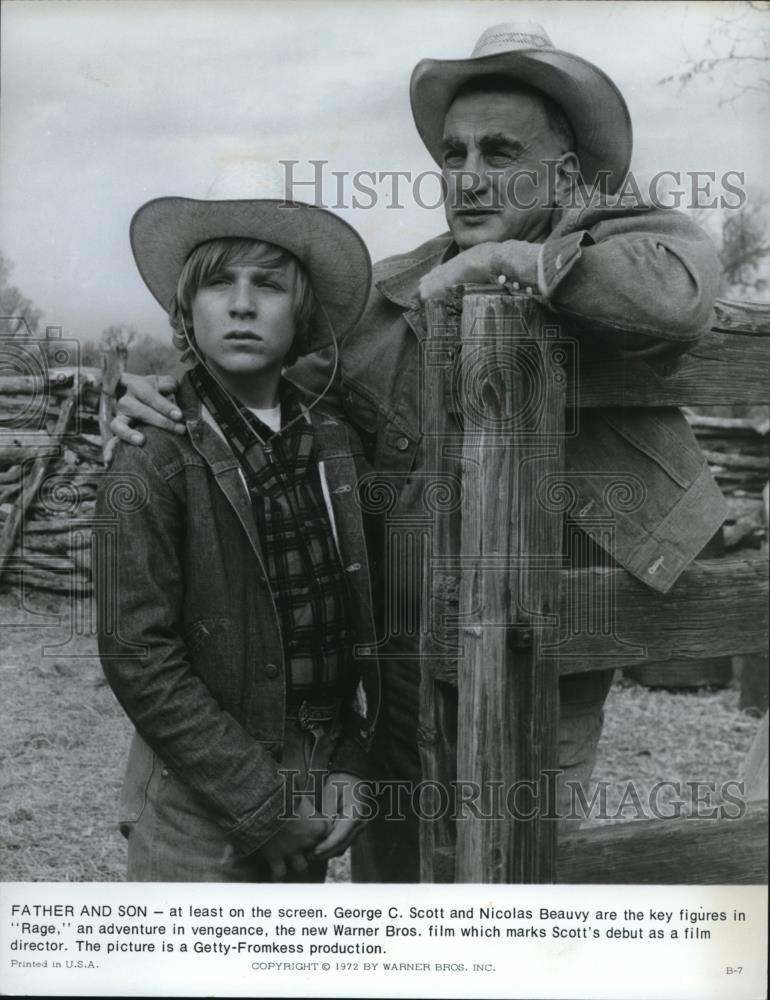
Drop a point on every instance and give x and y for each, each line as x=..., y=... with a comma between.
x=244, y=319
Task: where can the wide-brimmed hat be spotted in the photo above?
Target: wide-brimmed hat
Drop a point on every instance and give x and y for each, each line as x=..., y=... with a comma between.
x=592, y=103
x=166, y=230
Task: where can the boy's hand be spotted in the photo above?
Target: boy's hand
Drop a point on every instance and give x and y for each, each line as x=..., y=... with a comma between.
x=295, y=837
x=344, y=805
x=144, y=402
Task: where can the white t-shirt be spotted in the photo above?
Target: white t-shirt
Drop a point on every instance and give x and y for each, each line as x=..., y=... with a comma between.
x=271, y=417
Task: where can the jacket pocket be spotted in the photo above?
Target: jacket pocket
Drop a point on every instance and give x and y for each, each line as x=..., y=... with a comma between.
x=133, y=794
x=210, y=646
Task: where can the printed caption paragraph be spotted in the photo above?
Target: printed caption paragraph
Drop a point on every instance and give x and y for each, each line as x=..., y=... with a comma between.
x=246, y=937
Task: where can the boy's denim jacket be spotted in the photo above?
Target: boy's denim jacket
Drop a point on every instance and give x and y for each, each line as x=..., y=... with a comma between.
x=639, y=281
x=188, y=629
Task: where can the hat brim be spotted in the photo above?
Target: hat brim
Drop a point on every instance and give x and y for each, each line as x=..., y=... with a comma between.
x=592, y=103
x=166, y=230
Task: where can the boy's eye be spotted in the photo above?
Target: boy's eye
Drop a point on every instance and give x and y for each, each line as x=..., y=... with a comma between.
x=217, y=279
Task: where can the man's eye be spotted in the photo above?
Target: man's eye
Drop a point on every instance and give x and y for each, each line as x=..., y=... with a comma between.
x=272, y=284
x=217, y=279
x=454, y=158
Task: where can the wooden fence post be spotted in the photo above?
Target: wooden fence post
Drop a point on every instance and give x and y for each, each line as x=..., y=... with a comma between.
x=513, y=395
x=437, y=731
x=113, y=365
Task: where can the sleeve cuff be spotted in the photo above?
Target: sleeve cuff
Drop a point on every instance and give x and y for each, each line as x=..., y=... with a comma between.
x=260, y=826
x=557, y=258
x=351, y=758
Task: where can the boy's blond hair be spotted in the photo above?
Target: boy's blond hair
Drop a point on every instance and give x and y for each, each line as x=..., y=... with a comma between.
x=214, y=255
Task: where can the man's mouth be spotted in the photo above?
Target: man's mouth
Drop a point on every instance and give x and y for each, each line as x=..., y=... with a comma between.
x=469, y=214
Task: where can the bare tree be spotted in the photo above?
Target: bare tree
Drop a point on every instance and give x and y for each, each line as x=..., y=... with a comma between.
x=737, y=56
x=18, y=315
x=746, y=245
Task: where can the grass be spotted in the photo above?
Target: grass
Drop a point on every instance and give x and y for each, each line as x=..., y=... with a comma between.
x=64, y=738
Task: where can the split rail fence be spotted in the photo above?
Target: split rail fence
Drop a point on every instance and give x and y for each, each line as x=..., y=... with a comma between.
x=504, y=614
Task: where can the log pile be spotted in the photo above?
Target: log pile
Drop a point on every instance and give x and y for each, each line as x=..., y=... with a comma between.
x=50, y=463
x=737, y=450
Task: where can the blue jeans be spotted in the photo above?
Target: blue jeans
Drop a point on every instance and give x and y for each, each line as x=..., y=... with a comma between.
x=172, y=836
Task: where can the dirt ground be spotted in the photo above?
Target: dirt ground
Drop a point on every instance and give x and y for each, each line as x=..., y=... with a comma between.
x=63, y=741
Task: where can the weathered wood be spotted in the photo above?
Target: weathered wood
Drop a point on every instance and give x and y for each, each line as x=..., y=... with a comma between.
x=512, y=392
x=22, y=447
x=735, y=426
x=56, y=379
x=755, y=683
x=12, y=475
x=52, y=544
x=57, y=525
x=736, y=461
x=683, y=851
x=32, y=483
x=718, y=607
x=754, y=769
x=720, y=367
x=113, y=366
x=738, y=507
x=728, y=364
x=437, y=729
x=64, y=583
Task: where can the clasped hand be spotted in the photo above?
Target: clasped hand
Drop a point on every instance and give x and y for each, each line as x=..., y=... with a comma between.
x=311, y=835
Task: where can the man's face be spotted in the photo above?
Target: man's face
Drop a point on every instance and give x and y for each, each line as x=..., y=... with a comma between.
x=498, y=185
x=243, y=319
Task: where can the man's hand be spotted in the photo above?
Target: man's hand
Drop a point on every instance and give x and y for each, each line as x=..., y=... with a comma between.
x=340, y=802
x=295, y=837
x=516, y=259
x=144, y=402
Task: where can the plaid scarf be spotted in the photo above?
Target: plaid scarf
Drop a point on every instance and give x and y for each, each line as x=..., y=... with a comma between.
x=292, y=520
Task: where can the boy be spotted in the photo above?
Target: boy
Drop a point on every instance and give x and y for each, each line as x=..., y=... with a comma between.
x=237, y=639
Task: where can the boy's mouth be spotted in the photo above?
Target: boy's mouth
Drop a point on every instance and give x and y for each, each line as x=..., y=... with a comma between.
x=242, y=335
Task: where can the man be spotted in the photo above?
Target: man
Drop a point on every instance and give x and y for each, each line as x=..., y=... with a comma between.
x=512, y=127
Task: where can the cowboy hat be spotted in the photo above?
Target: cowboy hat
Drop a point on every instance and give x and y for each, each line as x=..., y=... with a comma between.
x=592, y=103
x=166, y=230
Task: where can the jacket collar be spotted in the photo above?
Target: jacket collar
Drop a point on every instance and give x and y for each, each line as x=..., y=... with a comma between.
x=403, y=279
x=330, y=437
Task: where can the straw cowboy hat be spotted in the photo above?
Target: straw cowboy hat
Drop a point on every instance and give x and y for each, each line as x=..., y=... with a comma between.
x=166, y=230
x=523, y=51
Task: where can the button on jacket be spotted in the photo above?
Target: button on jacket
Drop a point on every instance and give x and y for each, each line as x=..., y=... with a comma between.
x=640, y=281
x=192, y=646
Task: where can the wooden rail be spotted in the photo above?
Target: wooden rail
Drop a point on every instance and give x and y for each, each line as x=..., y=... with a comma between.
x=502, y=618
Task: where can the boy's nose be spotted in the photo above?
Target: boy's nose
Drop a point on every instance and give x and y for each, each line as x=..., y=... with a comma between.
x=242, y=300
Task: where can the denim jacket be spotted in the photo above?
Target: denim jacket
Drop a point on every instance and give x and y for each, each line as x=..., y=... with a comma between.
x=640, y=281
x=192, y=646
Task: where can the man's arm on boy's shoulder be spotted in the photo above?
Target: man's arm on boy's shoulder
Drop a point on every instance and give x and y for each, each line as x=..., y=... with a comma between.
x=145, y=660
x=148, y=399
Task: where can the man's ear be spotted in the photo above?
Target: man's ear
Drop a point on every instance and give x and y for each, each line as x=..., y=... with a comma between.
x=567, y=179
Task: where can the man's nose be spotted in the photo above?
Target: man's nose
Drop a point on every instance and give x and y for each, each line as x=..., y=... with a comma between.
x=474, y=178
x=243, y=300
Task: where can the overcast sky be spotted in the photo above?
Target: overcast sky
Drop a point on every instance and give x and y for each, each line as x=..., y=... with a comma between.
x=107, y=104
